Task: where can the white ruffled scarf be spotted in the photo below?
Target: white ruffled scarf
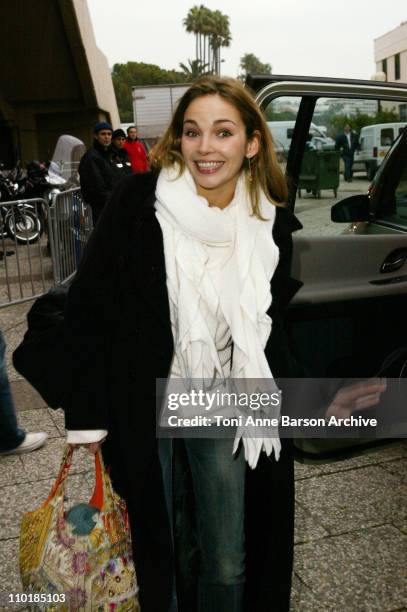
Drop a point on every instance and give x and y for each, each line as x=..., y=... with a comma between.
x=250, y=259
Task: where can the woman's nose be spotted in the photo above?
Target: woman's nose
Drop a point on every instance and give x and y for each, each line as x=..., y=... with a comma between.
x=205, y=144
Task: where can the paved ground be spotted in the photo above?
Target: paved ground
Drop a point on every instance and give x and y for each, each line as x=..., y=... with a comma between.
x=351, y=522
x=315, y=213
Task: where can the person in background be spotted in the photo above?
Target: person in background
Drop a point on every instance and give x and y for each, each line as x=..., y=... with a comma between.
x=13, y=439
x=119, y=156
x=347, y=143
x=96, y=171
x=136, y=151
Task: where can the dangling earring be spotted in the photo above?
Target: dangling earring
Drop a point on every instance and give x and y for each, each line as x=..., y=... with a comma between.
x=249, y=159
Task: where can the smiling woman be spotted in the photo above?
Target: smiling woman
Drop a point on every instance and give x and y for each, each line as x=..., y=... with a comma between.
x=222, y=120
x=214, y=148
x=197, y=293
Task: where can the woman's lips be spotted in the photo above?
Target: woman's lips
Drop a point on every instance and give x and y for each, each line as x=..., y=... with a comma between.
x=208, y=167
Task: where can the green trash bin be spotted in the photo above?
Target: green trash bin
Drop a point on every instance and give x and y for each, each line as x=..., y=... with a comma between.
x=319, y=170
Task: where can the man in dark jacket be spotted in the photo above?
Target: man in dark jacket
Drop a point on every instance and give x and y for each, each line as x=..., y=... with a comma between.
x=96, y=171
x=119, y=156
x=347, y=143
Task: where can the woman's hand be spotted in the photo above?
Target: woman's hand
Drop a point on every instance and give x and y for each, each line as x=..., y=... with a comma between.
x=360, y=396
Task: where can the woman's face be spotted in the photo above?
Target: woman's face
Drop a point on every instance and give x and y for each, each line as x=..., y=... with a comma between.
x=214, y=145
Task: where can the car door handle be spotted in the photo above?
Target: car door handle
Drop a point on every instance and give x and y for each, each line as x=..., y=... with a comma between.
x=394, y=261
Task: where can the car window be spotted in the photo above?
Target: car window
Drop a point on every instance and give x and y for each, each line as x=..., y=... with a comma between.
x=401, y=196
x=386, y=136
x=281, y=116
x=389, y=189
x=337, y=162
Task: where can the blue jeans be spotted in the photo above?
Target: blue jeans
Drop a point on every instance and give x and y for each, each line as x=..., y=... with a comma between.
x=219, y=489
x=11, y=435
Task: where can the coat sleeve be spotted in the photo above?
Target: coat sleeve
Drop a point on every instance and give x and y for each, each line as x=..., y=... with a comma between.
x=283, y=288
x=91, y=312
x=283, y=285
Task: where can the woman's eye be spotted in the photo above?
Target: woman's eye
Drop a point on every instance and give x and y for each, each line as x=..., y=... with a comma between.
x=190, y=133
x=224, y=133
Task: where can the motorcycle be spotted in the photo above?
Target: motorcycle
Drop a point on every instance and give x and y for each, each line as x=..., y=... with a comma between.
x=41, y=181
x=21, y=222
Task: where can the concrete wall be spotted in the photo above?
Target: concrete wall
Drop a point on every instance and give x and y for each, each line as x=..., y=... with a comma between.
x=98, y=65
x=54, y=80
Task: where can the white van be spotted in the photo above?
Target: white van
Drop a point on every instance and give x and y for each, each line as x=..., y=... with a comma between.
x=282, y=132
x=375, y=141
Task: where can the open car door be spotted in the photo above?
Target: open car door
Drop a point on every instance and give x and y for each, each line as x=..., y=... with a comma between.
x=350, y=313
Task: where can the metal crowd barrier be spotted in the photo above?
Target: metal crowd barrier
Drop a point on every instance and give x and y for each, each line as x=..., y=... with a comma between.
x=71, y=223
x=25, y=271
x=30, y=265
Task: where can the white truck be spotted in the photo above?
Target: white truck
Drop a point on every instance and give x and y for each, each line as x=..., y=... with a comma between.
x=375, y=141
x=153, y=106
x=282, y=132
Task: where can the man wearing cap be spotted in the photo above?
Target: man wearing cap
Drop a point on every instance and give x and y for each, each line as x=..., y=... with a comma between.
x=136, y=151
x=119, y=155
x=97, y=173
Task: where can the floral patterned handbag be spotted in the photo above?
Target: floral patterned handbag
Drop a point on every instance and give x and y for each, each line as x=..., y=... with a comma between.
x=81, y=558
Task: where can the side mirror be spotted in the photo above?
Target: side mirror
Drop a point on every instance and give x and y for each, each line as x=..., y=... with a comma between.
x=354, y=208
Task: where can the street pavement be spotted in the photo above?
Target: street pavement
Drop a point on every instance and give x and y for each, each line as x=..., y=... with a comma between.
x=351, y=516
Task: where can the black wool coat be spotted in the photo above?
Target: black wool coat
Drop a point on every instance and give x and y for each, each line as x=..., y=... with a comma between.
x=98, y=176
x=118, y=321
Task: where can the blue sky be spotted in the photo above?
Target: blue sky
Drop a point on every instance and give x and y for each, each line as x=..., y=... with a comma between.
x=314, y=37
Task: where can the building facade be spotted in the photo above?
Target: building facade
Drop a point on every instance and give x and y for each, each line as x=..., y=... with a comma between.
x=53, y=78
x=390, y=53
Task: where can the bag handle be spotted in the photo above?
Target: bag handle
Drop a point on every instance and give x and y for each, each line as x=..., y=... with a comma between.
x=98, y=496
x=98, y=493
x=63, y=473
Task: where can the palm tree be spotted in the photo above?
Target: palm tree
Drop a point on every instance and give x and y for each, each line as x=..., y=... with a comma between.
x=206, y=29
x=191, y=24
x=211, y=29
x=221, y=37
x=194, y=69
x=195, y=23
